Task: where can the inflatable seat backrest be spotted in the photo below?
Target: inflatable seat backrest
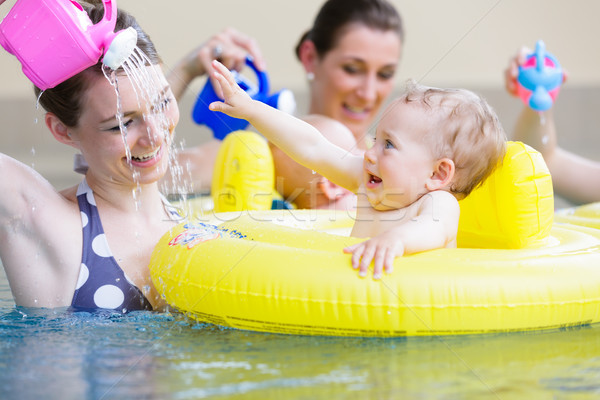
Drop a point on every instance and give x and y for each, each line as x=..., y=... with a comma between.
x=513, y=208
x=244, y=175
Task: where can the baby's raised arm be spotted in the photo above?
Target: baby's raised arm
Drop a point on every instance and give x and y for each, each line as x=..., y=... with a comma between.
x=298, y=139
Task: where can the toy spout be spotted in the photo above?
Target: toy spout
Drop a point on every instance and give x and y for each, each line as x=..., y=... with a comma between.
x=540, y=55
x=120, y=48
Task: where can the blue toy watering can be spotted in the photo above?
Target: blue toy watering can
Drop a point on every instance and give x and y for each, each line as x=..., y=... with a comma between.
x=539, y=79
x=222, y=124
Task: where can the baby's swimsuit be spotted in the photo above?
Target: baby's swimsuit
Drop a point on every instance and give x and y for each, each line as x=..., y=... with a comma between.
x=102, y=284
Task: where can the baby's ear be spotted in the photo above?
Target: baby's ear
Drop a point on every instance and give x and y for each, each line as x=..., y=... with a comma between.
x=442, y=174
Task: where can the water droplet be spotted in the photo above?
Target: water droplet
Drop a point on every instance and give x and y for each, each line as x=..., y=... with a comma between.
x=542, y=118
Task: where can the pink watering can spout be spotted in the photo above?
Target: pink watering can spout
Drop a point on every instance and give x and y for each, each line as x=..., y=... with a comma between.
x=55, y=39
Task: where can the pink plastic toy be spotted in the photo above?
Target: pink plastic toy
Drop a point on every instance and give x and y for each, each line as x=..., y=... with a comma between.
x=55, y=39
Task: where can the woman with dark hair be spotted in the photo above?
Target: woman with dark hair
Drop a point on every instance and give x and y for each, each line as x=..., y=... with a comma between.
x=350, y=56
x=89, y=246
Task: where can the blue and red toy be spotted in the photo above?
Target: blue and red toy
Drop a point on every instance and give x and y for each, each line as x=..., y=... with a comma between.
x=539, y=79
x=222, y=124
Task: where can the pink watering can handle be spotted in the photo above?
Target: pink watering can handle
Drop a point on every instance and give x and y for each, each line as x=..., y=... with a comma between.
x=103, y=32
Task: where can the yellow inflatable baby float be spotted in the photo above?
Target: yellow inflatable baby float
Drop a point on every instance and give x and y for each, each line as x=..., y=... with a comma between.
x=513, y=208
x=244, y=176
x=271, y=271
x=586, y=215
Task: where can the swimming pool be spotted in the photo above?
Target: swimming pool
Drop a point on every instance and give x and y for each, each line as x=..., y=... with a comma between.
x=50, y=354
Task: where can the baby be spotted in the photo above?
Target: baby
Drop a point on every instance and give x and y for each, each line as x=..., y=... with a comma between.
x=432, y=148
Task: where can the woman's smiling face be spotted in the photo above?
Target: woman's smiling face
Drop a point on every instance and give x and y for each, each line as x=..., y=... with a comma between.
x=352, y=80
x=143, y=149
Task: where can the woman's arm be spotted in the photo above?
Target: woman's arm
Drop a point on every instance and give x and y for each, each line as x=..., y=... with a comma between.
x=40, y=237
x=574, y=177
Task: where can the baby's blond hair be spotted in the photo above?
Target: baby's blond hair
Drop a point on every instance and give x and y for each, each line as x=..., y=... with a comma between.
x=464, y=129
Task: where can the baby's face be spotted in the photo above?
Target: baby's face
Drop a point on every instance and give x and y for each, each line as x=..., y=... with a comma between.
x=400, y=163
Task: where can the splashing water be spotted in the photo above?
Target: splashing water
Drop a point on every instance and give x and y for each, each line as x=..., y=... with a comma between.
x=37, y=106
x=542, y=118
x=147, y=85
x=545, y=138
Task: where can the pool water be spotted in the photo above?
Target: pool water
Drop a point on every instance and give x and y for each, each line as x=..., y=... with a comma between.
x=53, y=354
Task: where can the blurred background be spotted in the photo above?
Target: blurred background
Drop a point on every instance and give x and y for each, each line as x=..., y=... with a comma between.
x=462, y=43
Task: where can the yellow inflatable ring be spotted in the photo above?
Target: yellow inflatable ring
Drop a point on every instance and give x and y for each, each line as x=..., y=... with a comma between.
x=273, y=271
x=586, y=215
x=256, y=275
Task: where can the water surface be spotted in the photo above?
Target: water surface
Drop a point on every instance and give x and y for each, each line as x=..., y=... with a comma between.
x=52, y=354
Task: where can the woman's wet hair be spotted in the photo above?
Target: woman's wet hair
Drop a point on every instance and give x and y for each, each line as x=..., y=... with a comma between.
x=336, y=15
x=66, y=99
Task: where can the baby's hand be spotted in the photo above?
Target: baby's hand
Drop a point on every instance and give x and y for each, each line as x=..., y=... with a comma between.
x=236, y=103
x=382, y=249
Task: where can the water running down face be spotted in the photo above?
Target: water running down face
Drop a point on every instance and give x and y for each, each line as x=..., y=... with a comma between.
x=134, y=138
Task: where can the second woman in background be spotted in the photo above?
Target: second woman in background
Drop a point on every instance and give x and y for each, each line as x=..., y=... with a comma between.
x=350, y=56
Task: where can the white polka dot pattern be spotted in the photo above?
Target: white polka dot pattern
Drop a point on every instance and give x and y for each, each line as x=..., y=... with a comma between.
x=84, y=219
x=109, y=296
x=102, y=283
x=100, y=246
x=84, y=274
x=90, y=197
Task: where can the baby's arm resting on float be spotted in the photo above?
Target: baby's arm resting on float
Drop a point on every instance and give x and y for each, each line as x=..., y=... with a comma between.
x=300, y=140
x=434, y=227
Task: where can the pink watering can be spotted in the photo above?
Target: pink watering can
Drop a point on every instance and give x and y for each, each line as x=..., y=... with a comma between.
x=55, y=39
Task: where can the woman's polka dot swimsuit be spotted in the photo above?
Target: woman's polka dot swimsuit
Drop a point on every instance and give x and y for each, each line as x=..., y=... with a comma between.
x=102, y=284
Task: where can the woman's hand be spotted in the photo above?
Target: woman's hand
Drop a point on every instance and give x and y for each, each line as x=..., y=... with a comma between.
x=511, y=73
x=230, y=47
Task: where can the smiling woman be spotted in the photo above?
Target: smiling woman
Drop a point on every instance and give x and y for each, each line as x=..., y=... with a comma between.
x=97, y=255
x=350, y=56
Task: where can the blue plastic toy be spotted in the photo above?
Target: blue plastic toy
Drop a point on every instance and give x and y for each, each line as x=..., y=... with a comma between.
x=539, y=79
x=222, y=124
